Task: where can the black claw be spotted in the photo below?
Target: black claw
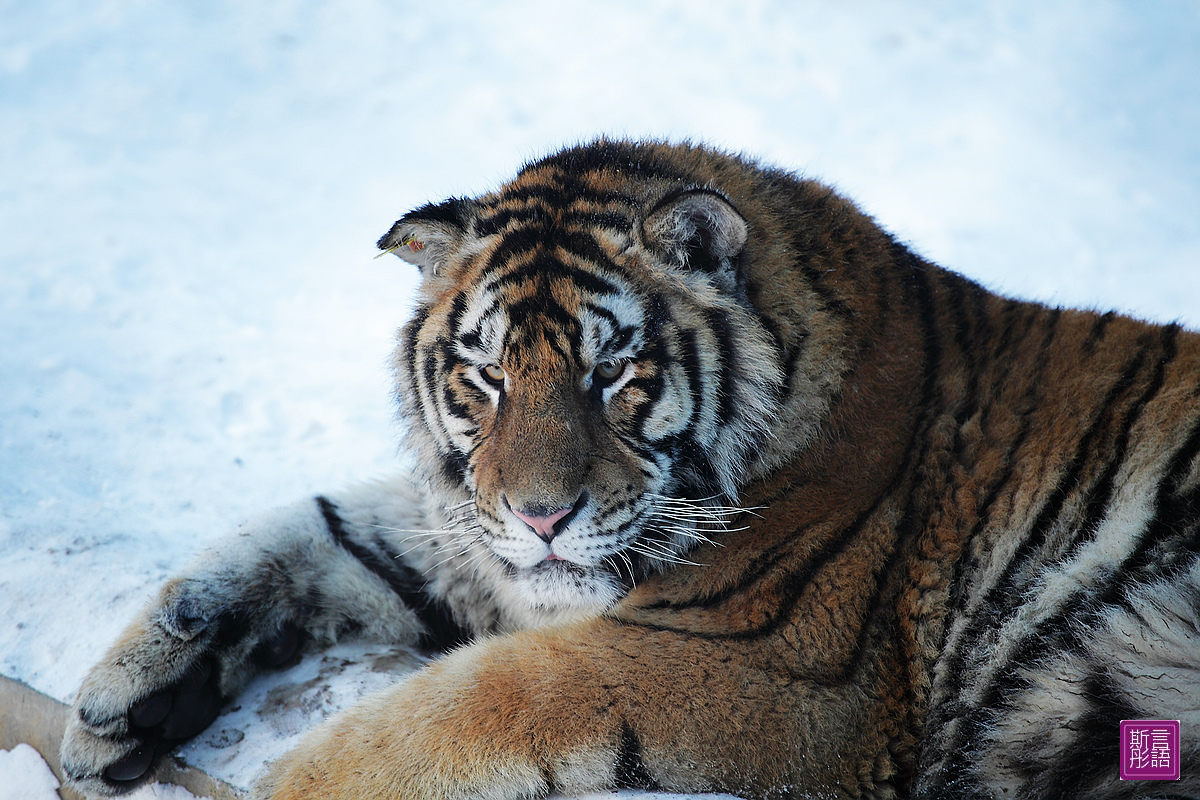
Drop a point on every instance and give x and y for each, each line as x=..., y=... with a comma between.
x=151, y=711
x=131, y=767
x=279, y=649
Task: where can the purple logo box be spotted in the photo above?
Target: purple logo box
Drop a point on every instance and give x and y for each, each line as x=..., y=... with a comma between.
x=1149, y=749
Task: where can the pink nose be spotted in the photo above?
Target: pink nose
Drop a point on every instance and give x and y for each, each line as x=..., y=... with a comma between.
x=543, y=526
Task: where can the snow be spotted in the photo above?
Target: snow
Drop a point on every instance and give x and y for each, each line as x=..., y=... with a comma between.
x=192, y=324
x=25, y=776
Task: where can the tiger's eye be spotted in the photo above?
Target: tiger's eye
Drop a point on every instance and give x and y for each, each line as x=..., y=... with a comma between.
x=609, y=370
x=494, y=373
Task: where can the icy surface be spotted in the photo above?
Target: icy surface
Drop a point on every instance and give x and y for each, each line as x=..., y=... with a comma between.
x=192, y=327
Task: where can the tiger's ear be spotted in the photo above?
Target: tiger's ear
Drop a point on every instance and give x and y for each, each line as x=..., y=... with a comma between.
x=701, y=230
x=427, y=235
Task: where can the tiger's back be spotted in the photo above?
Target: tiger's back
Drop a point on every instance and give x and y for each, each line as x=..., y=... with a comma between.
x=996, y=531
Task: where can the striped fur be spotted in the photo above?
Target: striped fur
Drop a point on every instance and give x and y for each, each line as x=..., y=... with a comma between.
x=736, y=493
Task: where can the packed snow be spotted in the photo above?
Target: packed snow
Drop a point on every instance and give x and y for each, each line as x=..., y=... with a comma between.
x=24, y=775
x=192, y=324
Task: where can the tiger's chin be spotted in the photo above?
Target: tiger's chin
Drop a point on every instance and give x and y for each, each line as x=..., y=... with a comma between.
x=564, y=585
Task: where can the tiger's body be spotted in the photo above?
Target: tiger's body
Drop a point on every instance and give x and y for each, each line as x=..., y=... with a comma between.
x=968, y=547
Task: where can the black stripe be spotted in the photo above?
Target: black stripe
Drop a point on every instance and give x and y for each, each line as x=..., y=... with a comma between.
x=455, y=407
x=561, y=192
x=1004, y=598
x=764, y=565
x=441, y=632
x=453, y=466
x=427, y=390
x=471, y=339
x=606, y=155
x=599, y=219
x=830, y=299
x=1101, y=495
x=1081, y=606
x=544, y=307
x=692, y=371
x=545, y=266
x=474, y=393
x=408, y=343
x=718, y=323
x=652, y=384
x=1094, y=749
x=966, y=564
x=451, y=211
x=1005, y=594
x=695, y=463
x=1028, y=403
x=619, y=335
x=1099, y=329
x=767, y=561
x=919, y=275
x=583, y=246
x=629, y=771
x=523, y=343
x=961, y=322
x=458, y=308
x=602, y=312
x=1176, y=514
x=552, y=787
x=498, y=221
x=622, y=336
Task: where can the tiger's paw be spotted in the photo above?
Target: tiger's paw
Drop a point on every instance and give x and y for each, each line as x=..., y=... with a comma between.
x=162, y=683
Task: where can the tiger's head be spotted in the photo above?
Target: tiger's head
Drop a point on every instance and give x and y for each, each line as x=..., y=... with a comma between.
x=585, y=364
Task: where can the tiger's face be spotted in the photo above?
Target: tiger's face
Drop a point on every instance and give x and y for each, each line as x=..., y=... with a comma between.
x=593, y=377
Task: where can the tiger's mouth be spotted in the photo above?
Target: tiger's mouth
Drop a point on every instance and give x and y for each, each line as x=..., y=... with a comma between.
x=555, y=564
x=588, y=566
x=560, y=583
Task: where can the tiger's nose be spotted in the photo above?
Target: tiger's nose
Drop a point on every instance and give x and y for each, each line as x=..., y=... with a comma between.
x=543, y=524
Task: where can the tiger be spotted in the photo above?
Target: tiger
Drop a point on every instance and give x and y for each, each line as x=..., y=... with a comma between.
x=713, y=485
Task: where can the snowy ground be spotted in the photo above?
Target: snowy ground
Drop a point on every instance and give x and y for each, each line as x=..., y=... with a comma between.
x=192, y=327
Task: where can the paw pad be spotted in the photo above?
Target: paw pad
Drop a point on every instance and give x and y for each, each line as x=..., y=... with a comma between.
x=131, y=767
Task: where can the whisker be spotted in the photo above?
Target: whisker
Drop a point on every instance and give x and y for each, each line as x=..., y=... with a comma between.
x=420, y=531
x=665, y=557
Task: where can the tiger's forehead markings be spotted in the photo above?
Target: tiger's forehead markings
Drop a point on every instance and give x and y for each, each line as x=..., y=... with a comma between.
x=542, y=266
x=572, y=242
x=545, y=308
x=554, y=198
x=538, y=209
x=540, y=347
x=548, y=287
x=566, y=189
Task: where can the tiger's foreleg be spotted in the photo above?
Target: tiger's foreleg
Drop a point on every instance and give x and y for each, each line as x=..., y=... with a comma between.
x=589, y=707
x=302, y=574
